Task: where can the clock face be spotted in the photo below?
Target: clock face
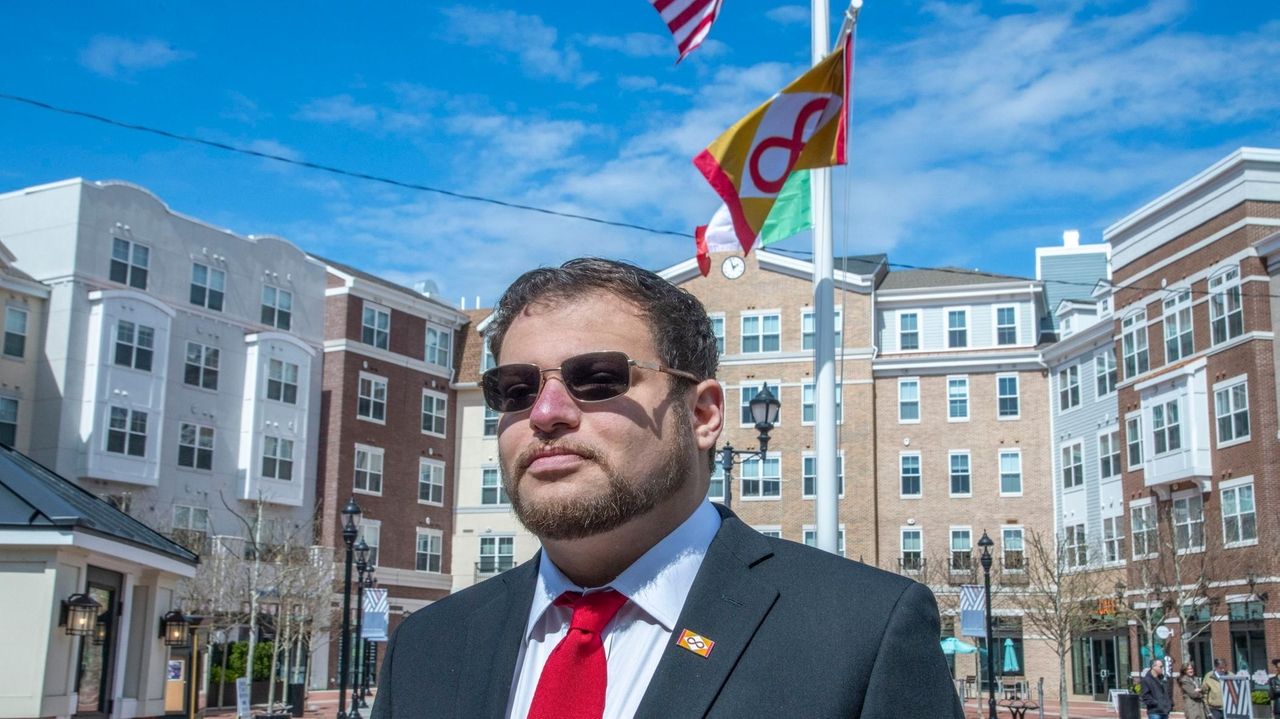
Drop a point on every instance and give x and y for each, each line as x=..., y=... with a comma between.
x=733, y=267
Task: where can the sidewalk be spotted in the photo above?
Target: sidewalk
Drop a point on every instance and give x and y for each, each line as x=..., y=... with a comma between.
x=320, y=703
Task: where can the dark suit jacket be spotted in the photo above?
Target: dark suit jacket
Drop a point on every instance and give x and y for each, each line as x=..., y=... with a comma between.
x=798, y=633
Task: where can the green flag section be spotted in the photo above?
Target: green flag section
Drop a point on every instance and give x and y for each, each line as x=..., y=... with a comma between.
x=790, y=214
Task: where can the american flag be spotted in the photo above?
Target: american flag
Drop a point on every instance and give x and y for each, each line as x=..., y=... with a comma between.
x=688, y=20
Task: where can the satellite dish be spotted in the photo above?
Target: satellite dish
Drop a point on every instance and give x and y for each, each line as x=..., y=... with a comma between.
x=1163, y=632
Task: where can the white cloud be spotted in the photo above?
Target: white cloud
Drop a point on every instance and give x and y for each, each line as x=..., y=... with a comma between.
x=112, y=56
x=789, y=14
x=339, y=109
x=643, y=83
x=534, y=43
x=634, y=44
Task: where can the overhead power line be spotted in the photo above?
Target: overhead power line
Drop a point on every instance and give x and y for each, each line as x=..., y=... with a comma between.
x=359, y=175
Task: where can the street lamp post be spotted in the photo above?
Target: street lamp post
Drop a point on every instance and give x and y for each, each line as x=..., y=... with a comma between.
x=985, y=543
x=764, y=412
x=362, y=565
x=351, y=515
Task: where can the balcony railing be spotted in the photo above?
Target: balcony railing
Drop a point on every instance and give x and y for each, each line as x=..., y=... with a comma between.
x=490, y=566
x=911, y=564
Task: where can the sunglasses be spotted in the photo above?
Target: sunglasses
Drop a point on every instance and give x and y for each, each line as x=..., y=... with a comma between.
x=589, y=377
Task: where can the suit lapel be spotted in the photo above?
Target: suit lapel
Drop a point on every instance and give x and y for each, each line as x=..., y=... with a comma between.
x=495, y=633
x=726, y=604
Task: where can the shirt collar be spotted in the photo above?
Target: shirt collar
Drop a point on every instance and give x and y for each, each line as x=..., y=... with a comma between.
x=658, y=582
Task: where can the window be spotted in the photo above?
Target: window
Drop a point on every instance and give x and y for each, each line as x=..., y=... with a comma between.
x=491, y=489
x=1188, y=523
x=807, y=409
x=490, y=422
x=371, y=532
x=1239, y=521
x=277, y=458
x=1008, y=405
x=368, y=469
x=1133, y=342
x=908, y=400
x=717, y=328
x=912, y=550
x=1104, y=372
x=8, y=421
x=277, y=307
x=1010, y=472
x=487, y=361
x=761, y=333
x=208, y=286
x=190, y=519
x=957, y=398
x=961, y=479
x=806, y=329
x=282, y=381
x=1076, y=546
x=1073, y=465
x=428, y=551
x=15, y=332
x=908, y=330
x=1109, y=455
x=129, y=263
x=371, y=401
x=761, y=479
x=1133, y=435
x=748, y=392
x=909, y=475
x=1113, y=539
x=961, y=549
x=440, y=346
x=1165, y=427
x=772, y=531
x=195, y=446
x=957, y=328
x=1178, y=342
x=1068, y=388
x=809, y=465
x=497, y=554
x=1007, y=325
x=434, y=412
x=1014, y=559
x=201, y=367
x=135, y=345
x=127, y=432
x=1231, y=407
x=715, y=491
x=810, y=536
x=430, y=482
x=1142, y=522
x=1226, y=316
x=375, y=326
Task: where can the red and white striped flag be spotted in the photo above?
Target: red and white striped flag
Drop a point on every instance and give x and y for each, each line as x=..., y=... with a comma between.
x=688, y=20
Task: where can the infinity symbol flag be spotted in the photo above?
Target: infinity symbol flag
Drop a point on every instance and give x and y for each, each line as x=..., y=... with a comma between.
x=802, y=127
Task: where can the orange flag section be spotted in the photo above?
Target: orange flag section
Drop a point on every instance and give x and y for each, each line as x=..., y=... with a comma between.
x=802, y=127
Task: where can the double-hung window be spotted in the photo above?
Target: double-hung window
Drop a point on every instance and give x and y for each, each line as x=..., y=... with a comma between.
x=277, y=458
x=807, y=407
x=1231, y=409
x=439, y=346
x=717, y=328
x=1010, y=472
x=957, y=328
x=1226, y=314
x=1076, y=546
x=434, y=412
x=909, y=481
x=282, y=381
x=748, y=390
x=1014, y=557
x=208, y=286
x=961, y=549
x=497, y=554
x=371, y=400
x=491, y=418
x=375, y=326
x=957, y=399
x=8, y=421
x=807, y=325
x=1007, y=325
x=1113, y=539
x=1007, y=403
x=1104, y=369
x=761, y=332
x=908, y=330
x=277, y=307
x=1068, y=388
x=1166, y=428
x=130, y=263
x=201, y=366
x=1133, y=343
x=1188, y=523
x=908, y=400
x=127, y=432
x=430, y=481
x=15, y=332
x=1142, y=523
x=809, y=472
x=912, y=550
x=491, y=490
x=1073, y=465
x=135, y=345
x=761, y=480
x=368, y=469
x=1178, y=340
x=371, y=533
x=429, y=550
x=195, y=446
x=961, y=475
x=1239, y=518
x=1109, y=455
x=1133, y=436
x=810, y=537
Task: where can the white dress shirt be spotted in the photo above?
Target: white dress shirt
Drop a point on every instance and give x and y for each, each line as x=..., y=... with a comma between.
x=656, y=585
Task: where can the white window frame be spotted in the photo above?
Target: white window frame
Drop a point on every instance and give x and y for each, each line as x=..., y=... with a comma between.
x=375, y=325
x=1000, y=471
x=717, y=328
x=918, y=400
x=1017, y=397
x=280, y=457
x=1168, y=425
x=1068, y=388
x=1133, y=442
x=367, y=391
x=282, y=381
x=902, y=457
x=128, y=432
x=1179, y=333
x=280, y=308
x=808, y=402
x=1110, y=437
x=717, y=478
x=371, y=533
x=136, y=345
x=1224, y=292
x=809, y=536
x=961, y=381
x=499, y=491
x=135, y=267
x=810, y=460
x=206, y=365
x=1236, y=486
x=1113, y=537
x=490, y=420
x=16, y=323
x=747, y=390
x=1150, y=511
x=1104, y=373
x=996, y=326
x=769, y=530
x=214, y=287
x=202, y=443
x=375, y=461
x=915, y=314
x=808, y=323
x=902, y=548
x=1078, y=480
x=435, y=540
x=1135, y=350
x=1192, y=499
x=439, y=351
x=951, y=549
x=772, y=458
x=439, y=410
x=500, y=561
x=1005, y=550
x=431, y=470
x=760, y=335
x=951, y=472
x=1075, y=544
x=948, y=329
x=1227, y=389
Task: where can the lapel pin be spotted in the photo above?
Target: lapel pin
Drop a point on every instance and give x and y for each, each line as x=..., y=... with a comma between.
x=695, y=643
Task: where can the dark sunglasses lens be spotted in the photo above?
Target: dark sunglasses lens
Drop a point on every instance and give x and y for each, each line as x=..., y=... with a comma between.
x=597, y=376
x=511, y=388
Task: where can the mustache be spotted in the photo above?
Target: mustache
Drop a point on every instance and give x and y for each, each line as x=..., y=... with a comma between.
x=527, y=455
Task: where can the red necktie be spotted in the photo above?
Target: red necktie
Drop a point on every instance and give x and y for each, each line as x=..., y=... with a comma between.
x=573, y=679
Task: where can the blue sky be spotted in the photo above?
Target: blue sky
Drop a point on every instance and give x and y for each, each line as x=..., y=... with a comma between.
x=979, y=130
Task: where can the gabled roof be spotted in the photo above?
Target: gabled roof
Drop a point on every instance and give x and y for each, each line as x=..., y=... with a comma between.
x=33, y=497
x=943, y=277
x=861, y=264
x=382, y=282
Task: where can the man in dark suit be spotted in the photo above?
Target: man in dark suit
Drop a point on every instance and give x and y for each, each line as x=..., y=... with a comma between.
x=647, y=600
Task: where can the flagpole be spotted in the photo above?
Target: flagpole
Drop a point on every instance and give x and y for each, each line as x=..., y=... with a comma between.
x=827, y=519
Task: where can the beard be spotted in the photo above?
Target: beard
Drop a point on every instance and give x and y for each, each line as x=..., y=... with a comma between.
x=624, y=498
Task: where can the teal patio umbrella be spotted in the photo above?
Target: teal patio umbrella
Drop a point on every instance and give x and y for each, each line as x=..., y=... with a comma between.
x=1010, y=658
x=954, y=645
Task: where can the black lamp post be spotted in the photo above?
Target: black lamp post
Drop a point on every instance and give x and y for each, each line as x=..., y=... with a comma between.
x=764, y=412
x=985, y=543
x=350, y=517
x=362, y=565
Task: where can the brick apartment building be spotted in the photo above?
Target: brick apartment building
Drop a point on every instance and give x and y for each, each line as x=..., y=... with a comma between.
x=386, y=434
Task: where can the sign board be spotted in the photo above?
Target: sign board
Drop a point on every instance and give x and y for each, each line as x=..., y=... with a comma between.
x=973, y=618
x=242, y=697
x=1237, y=699
x=375, y=615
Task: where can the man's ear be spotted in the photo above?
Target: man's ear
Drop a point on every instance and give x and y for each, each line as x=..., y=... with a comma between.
x=708, y=413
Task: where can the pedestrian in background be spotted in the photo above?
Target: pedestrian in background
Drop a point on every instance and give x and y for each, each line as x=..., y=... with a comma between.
x=1156, y=695
x=1273, y=686
x=1212, y=688
x=1192, y=693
